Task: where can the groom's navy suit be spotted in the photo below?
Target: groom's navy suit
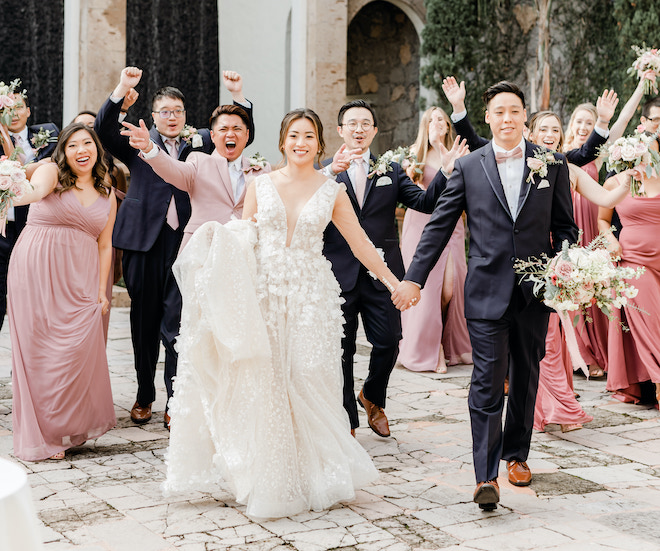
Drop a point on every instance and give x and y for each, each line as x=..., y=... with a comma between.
x=365, y=295
x=507, y=324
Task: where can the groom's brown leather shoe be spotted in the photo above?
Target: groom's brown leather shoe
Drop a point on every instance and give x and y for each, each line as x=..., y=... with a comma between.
x=140, y=415
x=487, y=495
x=519, y=473
x=166, y=420
x=375, y=416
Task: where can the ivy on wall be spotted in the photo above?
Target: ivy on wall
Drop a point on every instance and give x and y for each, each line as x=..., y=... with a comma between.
x=483, y=42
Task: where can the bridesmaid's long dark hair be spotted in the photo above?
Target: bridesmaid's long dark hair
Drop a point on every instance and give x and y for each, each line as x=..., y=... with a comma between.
x=66, y=176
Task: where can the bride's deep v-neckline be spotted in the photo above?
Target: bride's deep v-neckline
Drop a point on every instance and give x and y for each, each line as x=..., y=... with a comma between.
x=288, y=242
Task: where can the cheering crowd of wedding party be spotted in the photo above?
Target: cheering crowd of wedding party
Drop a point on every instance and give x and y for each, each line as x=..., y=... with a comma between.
x=530, y=254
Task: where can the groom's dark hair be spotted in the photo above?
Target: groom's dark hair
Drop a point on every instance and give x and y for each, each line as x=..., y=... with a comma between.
x=500, y=88
x=355, y=103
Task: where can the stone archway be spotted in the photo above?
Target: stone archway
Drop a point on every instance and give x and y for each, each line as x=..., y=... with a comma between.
x=383, y=67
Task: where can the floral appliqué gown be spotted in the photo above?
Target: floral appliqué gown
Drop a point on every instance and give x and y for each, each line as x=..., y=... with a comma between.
x=62, y=393
x=258, y=396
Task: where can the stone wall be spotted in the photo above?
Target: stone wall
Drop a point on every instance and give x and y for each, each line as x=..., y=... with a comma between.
x=383, y=68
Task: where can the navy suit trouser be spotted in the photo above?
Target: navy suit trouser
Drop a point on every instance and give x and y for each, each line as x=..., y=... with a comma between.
x=382, y=327
x=515, y=344
x=155, y=310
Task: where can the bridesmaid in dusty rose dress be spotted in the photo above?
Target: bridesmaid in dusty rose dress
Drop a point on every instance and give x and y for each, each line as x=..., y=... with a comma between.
x=57, y=296
x=555, y=399
x=592, y=337
x=435, y=333
x=635, y=355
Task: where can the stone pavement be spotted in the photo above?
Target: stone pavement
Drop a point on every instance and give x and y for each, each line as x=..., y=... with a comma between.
x=596, y=488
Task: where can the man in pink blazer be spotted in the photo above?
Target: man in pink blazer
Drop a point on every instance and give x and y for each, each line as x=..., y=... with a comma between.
x=216, y=183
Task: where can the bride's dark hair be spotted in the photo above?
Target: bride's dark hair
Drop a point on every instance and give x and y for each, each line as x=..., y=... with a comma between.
x=311, y=116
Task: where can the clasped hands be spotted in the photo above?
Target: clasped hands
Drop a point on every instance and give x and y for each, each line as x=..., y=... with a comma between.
x=406, y=294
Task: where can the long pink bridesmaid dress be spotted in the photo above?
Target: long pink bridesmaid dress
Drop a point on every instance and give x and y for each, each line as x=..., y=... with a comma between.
x=555, y=399
x=61, y=384
x=422, y=326
x=591, y=336
x=635, y=355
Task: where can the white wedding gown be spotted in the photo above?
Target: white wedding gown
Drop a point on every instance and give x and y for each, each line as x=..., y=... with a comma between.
x=258, y=398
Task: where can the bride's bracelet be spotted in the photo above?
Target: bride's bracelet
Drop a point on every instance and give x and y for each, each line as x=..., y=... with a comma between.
x=387, y=284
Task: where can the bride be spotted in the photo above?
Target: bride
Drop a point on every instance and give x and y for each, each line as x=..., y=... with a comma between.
x=258, y=397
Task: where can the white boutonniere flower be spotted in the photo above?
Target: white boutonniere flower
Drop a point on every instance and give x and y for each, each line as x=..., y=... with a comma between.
x=42, y=138
x=383, y=164
x=189, y=135
x=257, y=162
x=538, y=164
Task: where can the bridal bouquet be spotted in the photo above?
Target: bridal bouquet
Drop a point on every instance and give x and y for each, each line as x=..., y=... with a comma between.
x=631, y=151
x=383, y=164
x=13, y=185
x=648, y=59
x=579, y=277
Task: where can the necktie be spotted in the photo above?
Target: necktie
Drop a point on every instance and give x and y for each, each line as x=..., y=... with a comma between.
x=239, y=178
x=172, y=217
x=18, y=143
x=513, y=154
x=360, y=181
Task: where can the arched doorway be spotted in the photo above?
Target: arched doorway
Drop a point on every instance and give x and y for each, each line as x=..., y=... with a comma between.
x=383, y=68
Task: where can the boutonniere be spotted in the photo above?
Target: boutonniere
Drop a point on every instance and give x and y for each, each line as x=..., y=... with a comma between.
x=257, y=162
x=190, y=136
x=383, y=164
x=42, y=138
x=538, y=164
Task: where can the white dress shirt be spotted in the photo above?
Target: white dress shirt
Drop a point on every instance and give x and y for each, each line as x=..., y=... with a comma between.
x=511, y=175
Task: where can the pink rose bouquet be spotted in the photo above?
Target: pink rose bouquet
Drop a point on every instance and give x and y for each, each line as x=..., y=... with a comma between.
x=13, y=185
x=631, y=151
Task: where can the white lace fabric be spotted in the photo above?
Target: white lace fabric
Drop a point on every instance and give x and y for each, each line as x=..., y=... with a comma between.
x=257, y=401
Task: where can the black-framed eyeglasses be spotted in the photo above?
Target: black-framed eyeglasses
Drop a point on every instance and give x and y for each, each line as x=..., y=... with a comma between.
x=353, y=125
x=165, y=113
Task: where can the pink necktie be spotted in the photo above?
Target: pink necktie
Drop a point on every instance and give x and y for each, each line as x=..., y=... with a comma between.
x=513, y=154
x=360, y=181
x=172, y=217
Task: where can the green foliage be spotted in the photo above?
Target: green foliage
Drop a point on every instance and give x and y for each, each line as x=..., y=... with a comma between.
x=481, y=42
x=469, y=39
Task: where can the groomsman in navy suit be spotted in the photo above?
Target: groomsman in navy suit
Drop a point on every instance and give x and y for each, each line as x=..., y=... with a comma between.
x=22, y=136
x=374, y=197
x=149, y=229
x=512, y=213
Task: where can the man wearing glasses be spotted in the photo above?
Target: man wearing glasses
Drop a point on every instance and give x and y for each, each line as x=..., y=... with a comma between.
x=374, y=195
x=149, y=227
x=650, y=118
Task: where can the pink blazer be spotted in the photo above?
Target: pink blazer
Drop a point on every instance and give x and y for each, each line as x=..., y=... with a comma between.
x=206, y=179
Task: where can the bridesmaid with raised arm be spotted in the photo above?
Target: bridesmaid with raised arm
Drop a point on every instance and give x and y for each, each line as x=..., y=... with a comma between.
x=57, y=295
x=435, y=333
x=592, y=336
x=635, y=354
x=555, y=399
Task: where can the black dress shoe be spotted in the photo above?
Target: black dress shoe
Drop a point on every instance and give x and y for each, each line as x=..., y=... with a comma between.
x=487, y=495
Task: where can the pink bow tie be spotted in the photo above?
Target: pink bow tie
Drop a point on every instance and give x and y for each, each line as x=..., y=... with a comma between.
x=513, y=154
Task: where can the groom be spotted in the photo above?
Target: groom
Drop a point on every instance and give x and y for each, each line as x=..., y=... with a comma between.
x=511, y=214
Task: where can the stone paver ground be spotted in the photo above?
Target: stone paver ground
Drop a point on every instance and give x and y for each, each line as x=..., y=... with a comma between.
x=594, y=489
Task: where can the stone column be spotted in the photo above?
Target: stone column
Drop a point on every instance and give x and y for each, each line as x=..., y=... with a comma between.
x=326, y=64
x=102, y=50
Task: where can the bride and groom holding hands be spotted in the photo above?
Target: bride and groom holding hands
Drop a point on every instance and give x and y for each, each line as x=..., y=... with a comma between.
x=292, y=451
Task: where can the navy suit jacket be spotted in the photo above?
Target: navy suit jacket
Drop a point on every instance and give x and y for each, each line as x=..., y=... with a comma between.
x=21, y=213
x=544, y=221
x=377, y=218
x=144, y=209
x=579, y=157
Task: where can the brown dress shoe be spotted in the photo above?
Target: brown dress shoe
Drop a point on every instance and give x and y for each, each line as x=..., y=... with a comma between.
x=375, y=416
x=353, y=433
x=519, y=473
x=487, y=495
x=166, y=420
x=140, y=415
